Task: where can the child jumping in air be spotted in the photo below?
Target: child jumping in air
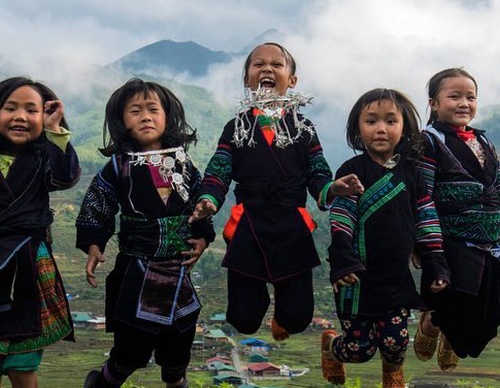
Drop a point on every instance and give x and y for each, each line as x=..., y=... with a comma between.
x=462, y=174
x=151, y=304
x=35, y=159
x=273, y=154
x=373, y=235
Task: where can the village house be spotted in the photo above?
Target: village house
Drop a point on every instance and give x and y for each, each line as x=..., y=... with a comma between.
x=220, y=368
x=263, y=369
x=255, y=345
x=224, y=360
x=254, y=358
x=80, y=318
x=218, y=319
x=228, y=378
x=97, y=323
x=216, y=335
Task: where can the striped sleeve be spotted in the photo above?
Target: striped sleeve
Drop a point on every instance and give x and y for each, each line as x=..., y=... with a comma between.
x=429, y=237
x=218, y=174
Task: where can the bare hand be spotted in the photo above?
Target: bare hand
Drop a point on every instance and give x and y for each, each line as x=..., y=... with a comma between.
x=53, y=112
x=345, y=280
x=346, y=185
x=94, y=259
x=438, y=285
x=194, y=254
x=415, y=260
x=203, y=209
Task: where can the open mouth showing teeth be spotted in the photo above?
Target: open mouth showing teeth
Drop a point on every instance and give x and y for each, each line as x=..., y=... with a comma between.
x=19, y=129
x=267, y=83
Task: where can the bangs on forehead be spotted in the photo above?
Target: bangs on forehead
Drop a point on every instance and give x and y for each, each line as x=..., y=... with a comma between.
x=384, y=95
x=145, y=92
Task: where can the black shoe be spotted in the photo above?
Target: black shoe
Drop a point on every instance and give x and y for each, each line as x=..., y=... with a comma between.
x=91, y=379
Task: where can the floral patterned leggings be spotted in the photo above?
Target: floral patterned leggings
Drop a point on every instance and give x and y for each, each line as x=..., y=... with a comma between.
x=362, y=336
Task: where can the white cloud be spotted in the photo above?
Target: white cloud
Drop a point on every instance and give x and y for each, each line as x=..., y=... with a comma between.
x=343, y=47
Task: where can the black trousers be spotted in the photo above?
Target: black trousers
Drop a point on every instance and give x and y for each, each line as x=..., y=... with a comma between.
x=248, y=301
x=133, y=349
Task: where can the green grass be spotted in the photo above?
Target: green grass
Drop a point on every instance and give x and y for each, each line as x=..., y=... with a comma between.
x=65, y=365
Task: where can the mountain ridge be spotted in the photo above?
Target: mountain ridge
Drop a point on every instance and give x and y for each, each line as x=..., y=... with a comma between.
x=167, y=54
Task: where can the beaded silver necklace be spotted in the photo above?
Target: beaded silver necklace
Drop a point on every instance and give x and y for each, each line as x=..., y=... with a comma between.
x=172, y=166
x=272, y=104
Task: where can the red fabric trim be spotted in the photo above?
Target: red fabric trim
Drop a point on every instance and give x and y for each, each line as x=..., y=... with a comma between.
x=231, y=224
x=310, y=223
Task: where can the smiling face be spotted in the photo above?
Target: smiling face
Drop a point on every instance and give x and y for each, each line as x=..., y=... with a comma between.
x=456, y=101
x=146, y=120
x=380, y=129
x=268, y=67
x=21, y=117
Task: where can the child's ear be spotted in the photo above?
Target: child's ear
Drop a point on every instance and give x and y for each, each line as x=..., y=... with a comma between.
x=292, y=81
x=433, y=104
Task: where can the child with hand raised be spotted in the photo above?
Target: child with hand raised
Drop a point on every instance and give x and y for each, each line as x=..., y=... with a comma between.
x=35, y=158
x=373, y=236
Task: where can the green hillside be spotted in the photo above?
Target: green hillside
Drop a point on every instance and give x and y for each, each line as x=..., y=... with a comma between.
x=85, y=114
x=205, y=114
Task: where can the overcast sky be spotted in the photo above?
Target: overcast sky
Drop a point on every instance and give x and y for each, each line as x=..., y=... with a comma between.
x=343, y=47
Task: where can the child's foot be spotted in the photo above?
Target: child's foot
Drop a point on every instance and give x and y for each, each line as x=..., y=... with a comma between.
x=425, y=344
x=279, y=333
x=446, y=357
x=392, y=375
x=333, y=369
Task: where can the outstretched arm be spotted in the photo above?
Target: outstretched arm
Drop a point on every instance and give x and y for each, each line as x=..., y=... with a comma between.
x=94, y=259
x=345, y=186
x=203, y=209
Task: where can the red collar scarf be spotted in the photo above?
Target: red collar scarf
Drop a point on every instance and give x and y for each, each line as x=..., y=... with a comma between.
x=464, y=134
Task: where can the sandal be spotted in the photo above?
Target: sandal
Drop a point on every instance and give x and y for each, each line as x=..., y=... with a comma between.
x=446, y=358
x=393, y=379
x=333, y=369
x=424, y=345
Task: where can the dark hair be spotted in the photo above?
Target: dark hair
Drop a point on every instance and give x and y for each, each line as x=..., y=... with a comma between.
x=289, y=59
x=177, y=131
x=9, y=85
x=410, y=145
x=434, y=85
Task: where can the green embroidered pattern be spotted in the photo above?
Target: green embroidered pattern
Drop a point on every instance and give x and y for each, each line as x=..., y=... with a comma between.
x=457, y=191
x=220, y=166
x=378, y=195
x=175, y=231
x=474, y=226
